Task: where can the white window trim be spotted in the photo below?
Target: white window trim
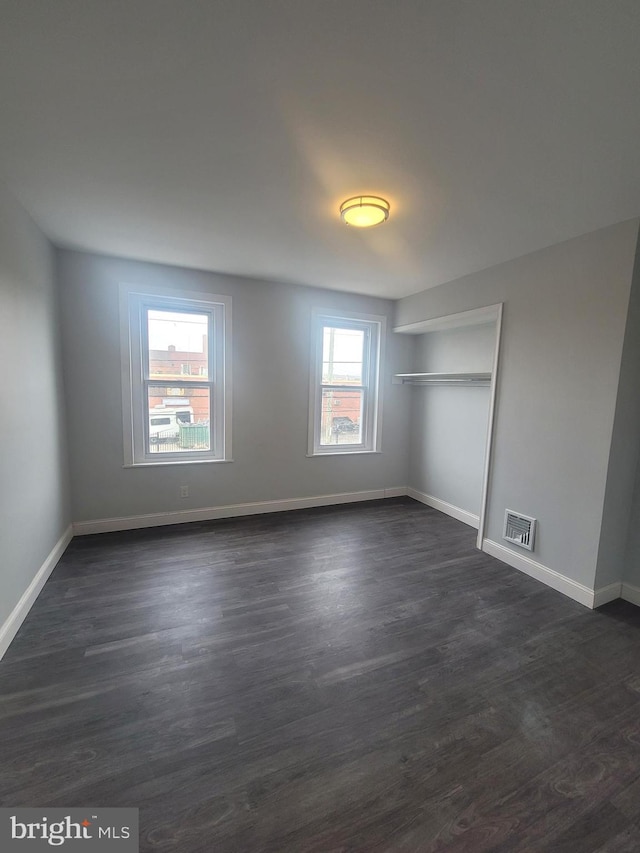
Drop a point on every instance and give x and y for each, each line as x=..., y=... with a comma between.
x=377, y=325
x=133, y=300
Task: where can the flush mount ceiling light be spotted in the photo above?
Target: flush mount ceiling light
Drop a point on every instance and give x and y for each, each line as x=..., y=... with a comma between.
x=363, y=211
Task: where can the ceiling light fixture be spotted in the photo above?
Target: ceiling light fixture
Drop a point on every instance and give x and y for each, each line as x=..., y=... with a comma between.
x=363, y=211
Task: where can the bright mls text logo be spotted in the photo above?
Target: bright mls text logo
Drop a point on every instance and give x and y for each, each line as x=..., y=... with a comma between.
x=76, y=829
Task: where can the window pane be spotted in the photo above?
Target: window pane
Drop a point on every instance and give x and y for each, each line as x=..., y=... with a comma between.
x=342, y=356
x=341, y=420
x=177, y=344
x=178, y=422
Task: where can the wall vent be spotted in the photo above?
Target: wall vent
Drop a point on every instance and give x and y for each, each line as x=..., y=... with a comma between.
x=519, y=529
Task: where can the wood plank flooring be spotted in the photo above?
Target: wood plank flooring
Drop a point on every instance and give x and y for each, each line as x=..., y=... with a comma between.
x=355, y=678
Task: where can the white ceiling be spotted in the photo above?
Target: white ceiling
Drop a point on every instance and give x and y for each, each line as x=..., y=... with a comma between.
x=223, y=134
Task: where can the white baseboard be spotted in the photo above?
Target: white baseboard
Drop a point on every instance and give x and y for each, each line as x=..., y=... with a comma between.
x=17, y=616
x=536, y=570
x=630, y=593
x=624, y=590
x=396, y=492
x=157, y=519
x=454, y=511
x=608, y=593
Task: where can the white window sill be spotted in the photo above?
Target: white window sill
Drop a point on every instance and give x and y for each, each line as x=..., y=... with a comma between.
x=322, y=453
x=173, y=462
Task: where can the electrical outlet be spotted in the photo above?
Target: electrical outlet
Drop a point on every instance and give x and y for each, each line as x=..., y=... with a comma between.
x=184, y=491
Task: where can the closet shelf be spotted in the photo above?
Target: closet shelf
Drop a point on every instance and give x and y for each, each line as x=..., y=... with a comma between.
x=443, y=378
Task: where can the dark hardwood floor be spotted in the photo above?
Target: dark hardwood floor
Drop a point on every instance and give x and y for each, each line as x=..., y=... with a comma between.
x=355, y=678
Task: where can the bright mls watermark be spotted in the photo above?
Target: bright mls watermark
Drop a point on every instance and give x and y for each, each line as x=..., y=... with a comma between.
x=104, y=830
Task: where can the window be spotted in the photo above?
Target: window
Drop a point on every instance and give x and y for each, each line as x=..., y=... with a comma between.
x=176, y=382
x=344, y=409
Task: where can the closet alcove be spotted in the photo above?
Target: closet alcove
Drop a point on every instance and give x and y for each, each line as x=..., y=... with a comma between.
x=453, y=379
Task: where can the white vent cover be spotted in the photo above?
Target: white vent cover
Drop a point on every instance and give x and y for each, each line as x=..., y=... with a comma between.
x=519, y=529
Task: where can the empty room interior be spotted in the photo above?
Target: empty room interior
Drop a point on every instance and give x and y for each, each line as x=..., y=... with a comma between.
x=320, y=506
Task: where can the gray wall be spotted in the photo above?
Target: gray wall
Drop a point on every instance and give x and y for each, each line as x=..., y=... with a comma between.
x=623, y=456
x=449, y=424
x=623, y=485
x=563, y=331
x=631, y=573
x=34, y=499
x=271, y=327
